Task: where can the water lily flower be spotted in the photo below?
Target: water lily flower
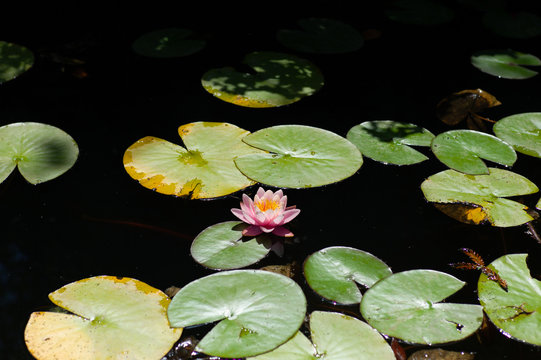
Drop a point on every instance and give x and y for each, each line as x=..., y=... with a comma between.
x=266, y=213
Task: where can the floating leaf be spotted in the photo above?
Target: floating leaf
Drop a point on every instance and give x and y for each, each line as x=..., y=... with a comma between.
x=204, y=169
x=299, y=157
x=336, y=337
x=333, y=273
x=221, y=246
x=113, y=318
x=41, y=152
x=517, y=25
x=486, y=191
x=279, y=79
x=419, y=12
x=516, y=312
x=408, y=306
x=538, y=205
x=522, y=131
x=167, y=43
x=440, y=354
x=324, y=36
x=462, y=150
x=387, y=141
x=505, y=63
x=463, y=105
x=466, y=213
x=257, y=311
x=14, y=60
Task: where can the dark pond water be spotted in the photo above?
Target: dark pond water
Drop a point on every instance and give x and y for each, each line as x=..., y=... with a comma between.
x=96, y=220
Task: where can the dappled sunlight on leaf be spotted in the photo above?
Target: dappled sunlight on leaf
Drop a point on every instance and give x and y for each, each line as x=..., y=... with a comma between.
x=14, y=60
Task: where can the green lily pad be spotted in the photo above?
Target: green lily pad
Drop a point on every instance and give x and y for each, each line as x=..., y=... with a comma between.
x=221, y=246
x=41, y=152
x=257, y=311
x=408, y=306
x=522, y=131
x=279, y=79
x=167, y=43
x=299, y=157
x=14, y=60
x=516, y=312
x=111, y=318
x=324, y=36
x=204, y=169
x=462, y=150
x=516, y=25
x=538, y=205
x=486, y=191
x=336, y=337
x=333, y=273
x=505, y=63
x=387, y=141
x=419, y=12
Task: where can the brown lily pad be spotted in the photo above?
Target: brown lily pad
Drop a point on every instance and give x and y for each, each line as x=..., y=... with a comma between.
x=464, y=105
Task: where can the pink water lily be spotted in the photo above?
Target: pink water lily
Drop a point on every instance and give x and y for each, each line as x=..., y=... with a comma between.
x=266, y=213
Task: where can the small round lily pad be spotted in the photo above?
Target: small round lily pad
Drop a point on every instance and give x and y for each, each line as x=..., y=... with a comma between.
x=522, y=131
x=387, y=141
x=299, y=157
x=167, y=43
x=41, y=152
x=221, y=246
x=278, y=79
x=14, y=60
x=256, y=311
x=335, y=271
x=507, y=64
x=516, y=25
x=408, y=305
x=111, y=318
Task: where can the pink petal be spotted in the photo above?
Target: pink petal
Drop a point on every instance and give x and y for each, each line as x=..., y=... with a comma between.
x=238, y=213
x=247, y=201
x=268, y=195
x=267, y=229
x=251, y=231
x=283, y=202
x=290, y=215
x=282, y=231
x=260, y=192
x=278, y=220
x=248, y=211
x=277, y=196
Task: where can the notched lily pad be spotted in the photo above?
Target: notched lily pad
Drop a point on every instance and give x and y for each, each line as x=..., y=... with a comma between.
x=41, y=152
x=485, y=191
x=516, y=312
x=334, y=273
x=408, y=306
x=387, y=141
x=522, y=131
x=278, y=79
x=14, y=60
x=299, y=157
x=111, y=318
x=507, y=64
x=517, y=25
x=462, y=150
x=167, y=43
x=204, y=169
x=464, y=105
x=326, y=36
x=419, y=12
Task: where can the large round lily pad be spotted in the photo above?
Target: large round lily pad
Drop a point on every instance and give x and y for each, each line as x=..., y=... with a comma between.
x=408, y=306
x=522, y=131
x=279, y=79
x=299, y=157
x=222, y=246
x=506, y=64
x=204, y=169
x=111, y=318
x=257, y=311
x=41, y=152
x=335, y=336
x=167, y=43
x=334, y=273
x=326, y=36
x=517, y=25
x=462, y=150
x=517, y=311
x=485, y=191
x=14, y=60
x=387, y=141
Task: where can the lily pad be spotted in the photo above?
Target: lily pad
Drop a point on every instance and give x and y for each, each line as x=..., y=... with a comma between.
x=299, y=157
x=14, y=60
x=204, y=169
x=465, y=104
x=486, y=191
x=221, y=246
x=336, y=337
x=111, y=318
x=522, y=131
x=505, y=63
x=279, y=79
x=257, y=311
x=167, y=43
x=41, y=152
x=462, y=150
x=333, y=273
x=408, y=306
x=538, y=205
x=516, y=25
x=325, y=36
x=387, y=141
x=419, y=12
x=516, y=312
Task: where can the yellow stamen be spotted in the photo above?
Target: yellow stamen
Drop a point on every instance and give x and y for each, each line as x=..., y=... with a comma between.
x=265, y=205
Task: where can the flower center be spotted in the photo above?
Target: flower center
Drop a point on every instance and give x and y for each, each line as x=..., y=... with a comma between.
x=265, y=205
